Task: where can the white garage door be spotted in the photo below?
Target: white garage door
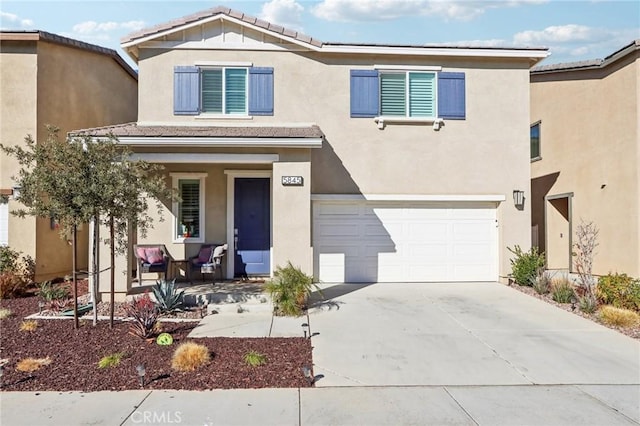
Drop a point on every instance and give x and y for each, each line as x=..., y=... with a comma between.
x=404, y=242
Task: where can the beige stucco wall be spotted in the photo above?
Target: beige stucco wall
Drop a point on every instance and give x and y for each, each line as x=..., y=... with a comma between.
x=485, y=154
x=71, y=89
x=18, y=118
x=590, y=147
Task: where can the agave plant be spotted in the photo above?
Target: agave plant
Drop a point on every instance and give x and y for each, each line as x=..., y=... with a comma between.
x=168, y=298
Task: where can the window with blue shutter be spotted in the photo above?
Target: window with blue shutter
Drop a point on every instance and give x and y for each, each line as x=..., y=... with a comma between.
x=365, y=93
x=224, y=91
x=415, y=94
x=186, y=91
x=260, y=91
x=451, y=95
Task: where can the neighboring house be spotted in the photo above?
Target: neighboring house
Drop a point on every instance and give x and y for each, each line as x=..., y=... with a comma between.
x=48, y=79
x=358, y=163
x=585, y=151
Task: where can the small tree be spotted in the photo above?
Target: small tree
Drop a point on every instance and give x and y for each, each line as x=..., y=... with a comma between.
x=584, y=252
x=78, y=180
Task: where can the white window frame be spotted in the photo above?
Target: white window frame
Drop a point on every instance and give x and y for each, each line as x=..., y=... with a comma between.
x=224, y=69
x=407, y=116
x=175, y=183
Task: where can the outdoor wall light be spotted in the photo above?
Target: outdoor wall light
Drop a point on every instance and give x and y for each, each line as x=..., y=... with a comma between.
x=141, y=372
x=306, y=371
x=518, y=198
x=15, y=191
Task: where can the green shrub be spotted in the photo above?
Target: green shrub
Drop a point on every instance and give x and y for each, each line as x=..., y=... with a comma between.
x=168, y=298
x=562, y=290
x=619, y=290
x=9, y=259
x=110, y=360
x=526, y=265
x=542, y=283
x=49, y=291
x=588, y=303
x=289, y=289
x=254, y=359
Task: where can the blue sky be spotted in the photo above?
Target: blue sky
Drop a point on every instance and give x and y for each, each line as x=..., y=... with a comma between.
x=573, y=30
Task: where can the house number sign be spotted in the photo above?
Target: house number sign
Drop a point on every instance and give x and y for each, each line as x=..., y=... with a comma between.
x=292, y=181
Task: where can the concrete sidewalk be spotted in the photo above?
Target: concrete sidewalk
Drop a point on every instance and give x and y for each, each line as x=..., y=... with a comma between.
x=415, y=405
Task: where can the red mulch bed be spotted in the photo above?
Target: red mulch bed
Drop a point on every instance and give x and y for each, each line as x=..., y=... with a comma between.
x=75, y=354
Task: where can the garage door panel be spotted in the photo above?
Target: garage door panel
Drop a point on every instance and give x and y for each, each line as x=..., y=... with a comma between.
x=398, y=242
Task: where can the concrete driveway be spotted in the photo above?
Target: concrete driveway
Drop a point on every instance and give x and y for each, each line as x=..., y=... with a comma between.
x=461, y=334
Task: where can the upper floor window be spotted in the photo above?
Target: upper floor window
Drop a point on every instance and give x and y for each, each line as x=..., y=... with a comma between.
x=410, y=94
x=534, y=134
x=225, y=91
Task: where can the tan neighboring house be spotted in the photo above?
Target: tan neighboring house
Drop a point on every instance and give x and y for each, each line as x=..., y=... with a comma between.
x=358, y=163
x=585, y=157
x=49, y=79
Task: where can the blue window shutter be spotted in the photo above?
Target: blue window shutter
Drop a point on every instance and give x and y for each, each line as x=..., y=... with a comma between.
x=365, y=93
x=260, y=91
x=451, y=95
x=186, y=90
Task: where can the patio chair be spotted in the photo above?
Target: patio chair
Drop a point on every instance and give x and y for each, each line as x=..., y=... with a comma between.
x=208, y=260
x=151, y=258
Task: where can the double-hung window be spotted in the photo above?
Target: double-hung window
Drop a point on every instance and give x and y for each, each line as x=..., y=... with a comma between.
x=227, y=91
x=188, y=213
x=408, y=94
x=224, y=91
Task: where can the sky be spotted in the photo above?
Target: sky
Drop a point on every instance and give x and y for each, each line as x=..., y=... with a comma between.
x=572, y=30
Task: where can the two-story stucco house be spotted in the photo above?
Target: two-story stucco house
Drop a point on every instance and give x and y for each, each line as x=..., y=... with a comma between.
x=358, y=163
x=47, y=79
x=584, y=159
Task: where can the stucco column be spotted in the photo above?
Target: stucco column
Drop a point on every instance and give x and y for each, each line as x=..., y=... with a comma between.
x=292, y=216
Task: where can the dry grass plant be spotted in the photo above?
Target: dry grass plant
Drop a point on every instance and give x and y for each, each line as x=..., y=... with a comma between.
x=190, y=356
x=29, y=365
x=29, y=325
x=618, y=317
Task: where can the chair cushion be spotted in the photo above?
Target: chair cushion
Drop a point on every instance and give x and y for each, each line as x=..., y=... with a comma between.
x=141, y=253
x=154, y=255
x=204, y=255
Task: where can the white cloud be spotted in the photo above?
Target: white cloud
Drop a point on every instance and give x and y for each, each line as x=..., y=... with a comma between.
x=287, y=13
x=380, y=10
x=93, y=27
x=558, y=34
x=13, y=20
x=577, y=41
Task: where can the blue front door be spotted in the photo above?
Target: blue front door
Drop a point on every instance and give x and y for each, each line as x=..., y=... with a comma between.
x=252, y=231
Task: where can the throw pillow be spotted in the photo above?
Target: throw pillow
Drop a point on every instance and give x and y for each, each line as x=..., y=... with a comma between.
x=141, y=253
x=154, y=255
x=204, y=255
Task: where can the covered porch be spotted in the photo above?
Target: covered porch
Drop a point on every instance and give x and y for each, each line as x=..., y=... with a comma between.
x=247, y=187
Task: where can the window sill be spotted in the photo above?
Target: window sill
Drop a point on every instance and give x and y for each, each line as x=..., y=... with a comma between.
x=187, y=240
x=223, y=117
x=383, y=120
x=534, y=159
